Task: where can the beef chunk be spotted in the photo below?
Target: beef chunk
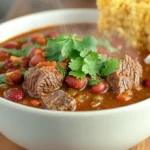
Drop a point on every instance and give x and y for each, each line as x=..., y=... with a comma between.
x=127, y=76
x=42, y=80
x=59, y=100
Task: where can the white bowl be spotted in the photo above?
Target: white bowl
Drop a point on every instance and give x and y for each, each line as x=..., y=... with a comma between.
x=34, y=129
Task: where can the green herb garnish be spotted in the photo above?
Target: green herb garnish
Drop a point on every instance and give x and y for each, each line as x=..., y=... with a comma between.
x=22, y=52
x=1, y=65
x=106, y=44
x=84, y=60
x=25, y=74
x=94, y=82
x=109, y=67
x=69, y=47
x=2, y=78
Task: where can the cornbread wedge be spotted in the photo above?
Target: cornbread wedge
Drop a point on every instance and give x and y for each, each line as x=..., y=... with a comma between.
x=129, y=18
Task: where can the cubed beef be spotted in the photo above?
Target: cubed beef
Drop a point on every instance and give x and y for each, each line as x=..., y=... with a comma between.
x=127, y=76
x=59, y=100
x=42, y=80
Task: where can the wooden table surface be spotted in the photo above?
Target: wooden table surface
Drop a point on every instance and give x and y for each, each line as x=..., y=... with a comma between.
x=22, y=7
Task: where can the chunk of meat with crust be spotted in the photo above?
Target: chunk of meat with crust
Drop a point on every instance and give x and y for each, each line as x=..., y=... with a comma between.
x=59, y=100
x=42, y=79
x=127, y=76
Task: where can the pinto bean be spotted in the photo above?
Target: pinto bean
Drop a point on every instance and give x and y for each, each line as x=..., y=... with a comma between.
x=99, y=88
x=33, y=52
x=76, y=83
x=37, y=59
x=12, y=45
x=14, y=94
x=14, y=77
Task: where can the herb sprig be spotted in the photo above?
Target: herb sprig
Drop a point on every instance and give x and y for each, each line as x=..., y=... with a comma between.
x=22, y=52
x=84, y=59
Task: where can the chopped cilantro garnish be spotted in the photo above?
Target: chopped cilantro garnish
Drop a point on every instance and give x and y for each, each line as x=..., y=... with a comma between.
x=84, y=60
x=1, y=65
x=25, y=74
x=94, y=81
x=109, y=67
x=69, y=47
x=106, y=43
x=22, y=52
x=2, y=78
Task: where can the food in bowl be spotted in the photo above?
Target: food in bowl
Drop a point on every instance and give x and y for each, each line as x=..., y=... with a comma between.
x=35, y=129
x=48, y=69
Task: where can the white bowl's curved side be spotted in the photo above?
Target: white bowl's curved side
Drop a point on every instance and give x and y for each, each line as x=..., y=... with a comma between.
x=42, y=19
x=35, y=129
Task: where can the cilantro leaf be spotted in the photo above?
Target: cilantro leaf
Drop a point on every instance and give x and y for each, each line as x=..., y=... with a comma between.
x=1, y=65
x=110, y=66
x=90, y=43
x=105, y=43
x=94, y=81
x=25, y=74
x=69, y=47
x=76, y=64
x=91, y=64
x=22, y=52
x=2, y=78
x=84, y=60
x=77, y=74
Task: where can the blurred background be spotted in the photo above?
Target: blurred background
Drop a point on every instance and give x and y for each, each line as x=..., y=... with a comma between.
x=13, y=8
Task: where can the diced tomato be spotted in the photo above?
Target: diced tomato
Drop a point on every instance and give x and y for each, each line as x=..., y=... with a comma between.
x=14, y=94
x=99, y=88
x=47, y=64
x=37, y=59
x=33, y=52
x=123, y=97
x=147, y=83
x=52, y=35
x=12, y=45
x=35, y=103
x=76, y=83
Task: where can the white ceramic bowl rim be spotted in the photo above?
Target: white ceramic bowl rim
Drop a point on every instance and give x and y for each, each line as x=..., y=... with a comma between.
x=67, y=113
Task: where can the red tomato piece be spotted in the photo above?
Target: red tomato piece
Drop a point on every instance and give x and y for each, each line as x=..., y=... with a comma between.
x=123, y=97
x=35, y=103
